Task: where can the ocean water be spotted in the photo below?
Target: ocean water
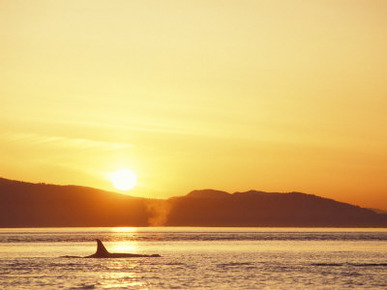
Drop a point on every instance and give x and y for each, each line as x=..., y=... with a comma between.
x=210, y=258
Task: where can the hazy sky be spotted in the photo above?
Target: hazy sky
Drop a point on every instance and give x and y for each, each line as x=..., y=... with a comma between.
x=231, y=95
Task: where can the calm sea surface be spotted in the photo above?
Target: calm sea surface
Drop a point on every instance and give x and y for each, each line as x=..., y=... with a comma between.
x=216, y=258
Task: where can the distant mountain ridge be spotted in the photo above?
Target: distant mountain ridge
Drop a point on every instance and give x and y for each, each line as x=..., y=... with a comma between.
x=257, y=208
x=25, y=204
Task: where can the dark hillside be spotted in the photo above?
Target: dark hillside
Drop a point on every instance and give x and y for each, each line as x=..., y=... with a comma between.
x=44, y=205
x=36, y=205
x=254, y=208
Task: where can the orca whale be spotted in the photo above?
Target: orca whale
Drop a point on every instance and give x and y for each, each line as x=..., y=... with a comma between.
x=103, y=253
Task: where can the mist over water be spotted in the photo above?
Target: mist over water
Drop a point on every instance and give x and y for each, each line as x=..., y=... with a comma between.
x=239, y=258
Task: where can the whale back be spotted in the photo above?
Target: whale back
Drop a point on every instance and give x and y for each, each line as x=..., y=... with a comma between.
x=103, y=253
x=101, y=250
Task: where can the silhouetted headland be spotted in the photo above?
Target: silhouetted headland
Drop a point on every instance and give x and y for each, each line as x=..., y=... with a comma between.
x=25, y=204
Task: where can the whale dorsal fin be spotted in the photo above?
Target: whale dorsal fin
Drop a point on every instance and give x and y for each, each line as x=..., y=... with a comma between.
x=101, y=250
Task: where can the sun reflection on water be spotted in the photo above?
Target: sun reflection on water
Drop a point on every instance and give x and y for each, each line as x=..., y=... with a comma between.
x=124, y=229
x=121, y=280
x=127, y=247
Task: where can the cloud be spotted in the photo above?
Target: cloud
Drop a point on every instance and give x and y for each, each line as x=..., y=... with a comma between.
x=65, y=142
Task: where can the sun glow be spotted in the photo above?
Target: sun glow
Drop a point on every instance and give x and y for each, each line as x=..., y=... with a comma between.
x=124, y=179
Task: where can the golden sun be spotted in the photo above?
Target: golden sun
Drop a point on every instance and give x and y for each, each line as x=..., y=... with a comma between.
x=124, y=179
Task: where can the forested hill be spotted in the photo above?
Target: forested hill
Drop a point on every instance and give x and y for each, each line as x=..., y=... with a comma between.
x=37, y=205
x=256, y=208
x=45, y=205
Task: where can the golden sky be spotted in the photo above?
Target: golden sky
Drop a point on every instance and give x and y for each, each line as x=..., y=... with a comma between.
x=231, y=95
